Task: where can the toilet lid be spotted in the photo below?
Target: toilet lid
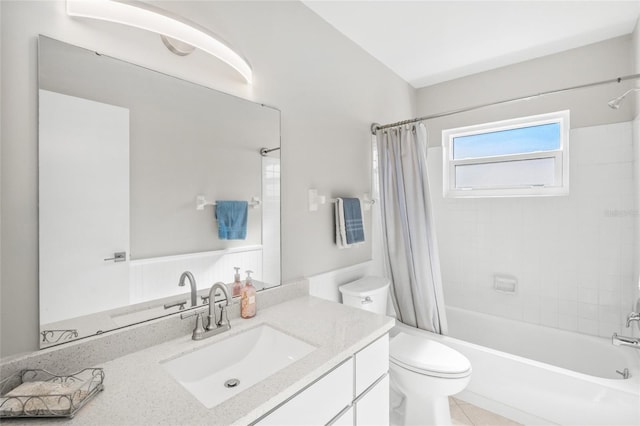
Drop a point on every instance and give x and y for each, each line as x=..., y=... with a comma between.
x=428, y=357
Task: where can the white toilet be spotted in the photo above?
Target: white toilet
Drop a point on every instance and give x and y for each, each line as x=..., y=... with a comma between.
x=423, y=372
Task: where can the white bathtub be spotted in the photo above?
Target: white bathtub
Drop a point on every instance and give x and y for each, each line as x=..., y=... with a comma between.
x=541, y=375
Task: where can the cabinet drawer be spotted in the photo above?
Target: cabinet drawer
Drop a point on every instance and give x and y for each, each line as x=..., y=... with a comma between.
x=371, y=363
x=373, y=408
x=346, y=418
x=320, y=402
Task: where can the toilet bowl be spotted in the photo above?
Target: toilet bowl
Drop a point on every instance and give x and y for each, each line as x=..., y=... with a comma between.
x=423, y=372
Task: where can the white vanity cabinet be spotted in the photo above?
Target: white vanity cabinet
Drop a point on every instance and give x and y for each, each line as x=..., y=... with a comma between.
x=354, y=393
x=372, y=384
x=319, y=403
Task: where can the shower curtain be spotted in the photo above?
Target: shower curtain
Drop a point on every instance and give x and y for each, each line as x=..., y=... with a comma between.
x=408, y=230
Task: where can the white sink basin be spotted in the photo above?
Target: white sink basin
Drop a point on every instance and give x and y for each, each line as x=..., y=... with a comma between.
x=248, y=357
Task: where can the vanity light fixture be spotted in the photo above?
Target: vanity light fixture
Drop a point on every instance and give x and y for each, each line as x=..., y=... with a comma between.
x=147, y=17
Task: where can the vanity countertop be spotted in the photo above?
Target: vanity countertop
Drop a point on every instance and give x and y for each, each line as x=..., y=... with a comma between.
x=139, y=391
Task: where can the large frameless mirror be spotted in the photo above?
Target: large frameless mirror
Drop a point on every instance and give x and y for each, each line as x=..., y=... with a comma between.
x=131, y=165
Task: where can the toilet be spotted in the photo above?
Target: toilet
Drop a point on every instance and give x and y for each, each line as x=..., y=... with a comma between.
x=423, y=372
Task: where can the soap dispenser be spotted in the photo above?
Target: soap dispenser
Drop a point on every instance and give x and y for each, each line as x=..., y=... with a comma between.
x=248, y=298
x=237, y=284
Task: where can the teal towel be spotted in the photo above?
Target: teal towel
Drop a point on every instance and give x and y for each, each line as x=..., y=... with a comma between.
x=232, y=219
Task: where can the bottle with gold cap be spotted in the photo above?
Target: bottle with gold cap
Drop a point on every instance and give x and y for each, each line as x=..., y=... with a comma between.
x=248, y=298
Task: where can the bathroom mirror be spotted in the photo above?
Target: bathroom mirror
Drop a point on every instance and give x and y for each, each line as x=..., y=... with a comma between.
x=131, y=163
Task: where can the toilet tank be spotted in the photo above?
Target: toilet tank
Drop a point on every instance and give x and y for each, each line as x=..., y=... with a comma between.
x=368, y=293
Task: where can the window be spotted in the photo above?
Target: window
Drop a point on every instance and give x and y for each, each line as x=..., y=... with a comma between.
x=526, y=156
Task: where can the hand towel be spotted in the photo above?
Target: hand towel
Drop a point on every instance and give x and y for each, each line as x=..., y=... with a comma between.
x=349, y=223
x=341, y=234
x=41, y=398
x=354, y=225
x=232, y=219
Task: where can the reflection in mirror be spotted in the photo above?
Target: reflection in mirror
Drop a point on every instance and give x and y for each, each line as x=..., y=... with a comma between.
x=124, y=154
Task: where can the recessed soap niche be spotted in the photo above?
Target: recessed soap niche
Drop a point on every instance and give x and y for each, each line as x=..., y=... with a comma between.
x=506, y=284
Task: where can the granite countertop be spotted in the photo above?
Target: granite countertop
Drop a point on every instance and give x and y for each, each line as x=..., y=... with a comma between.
x=139, y=391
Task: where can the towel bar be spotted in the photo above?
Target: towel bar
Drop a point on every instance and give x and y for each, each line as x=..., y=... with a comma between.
x=316, y=199
x=201, y=202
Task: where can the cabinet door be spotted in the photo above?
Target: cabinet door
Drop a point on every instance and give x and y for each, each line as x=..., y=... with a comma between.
x=372, y=409
x=319, y=403
x=372, y=363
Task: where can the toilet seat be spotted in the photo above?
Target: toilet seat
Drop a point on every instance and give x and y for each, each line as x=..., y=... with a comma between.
x=427, y=357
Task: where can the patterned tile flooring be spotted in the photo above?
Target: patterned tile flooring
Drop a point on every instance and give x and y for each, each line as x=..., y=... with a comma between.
x=465, y=414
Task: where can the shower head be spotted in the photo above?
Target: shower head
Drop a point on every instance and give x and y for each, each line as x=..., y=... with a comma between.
x=615, y=102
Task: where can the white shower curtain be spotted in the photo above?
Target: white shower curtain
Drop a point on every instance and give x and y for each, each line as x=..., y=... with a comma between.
x=408, y=230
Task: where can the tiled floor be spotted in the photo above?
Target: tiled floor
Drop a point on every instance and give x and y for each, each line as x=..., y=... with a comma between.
x=463, y=413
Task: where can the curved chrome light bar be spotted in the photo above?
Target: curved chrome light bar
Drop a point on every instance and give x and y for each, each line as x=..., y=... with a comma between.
x=147, y=17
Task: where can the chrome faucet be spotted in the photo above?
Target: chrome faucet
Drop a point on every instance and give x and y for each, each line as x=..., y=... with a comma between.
x=192, y=282
x=215, y=324
x=633, y=316
x=625, y=341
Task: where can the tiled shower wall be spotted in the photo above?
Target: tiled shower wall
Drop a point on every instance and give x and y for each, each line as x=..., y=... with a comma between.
x=572, y=256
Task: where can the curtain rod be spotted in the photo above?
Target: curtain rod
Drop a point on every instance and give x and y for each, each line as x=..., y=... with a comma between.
x=375, y=126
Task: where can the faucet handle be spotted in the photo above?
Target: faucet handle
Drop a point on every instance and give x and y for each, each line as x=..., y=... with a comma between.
x=205, y=300
x=633, y=316
x=192, y=312
x=198, y=332
x=179, y=303
x=223, y=312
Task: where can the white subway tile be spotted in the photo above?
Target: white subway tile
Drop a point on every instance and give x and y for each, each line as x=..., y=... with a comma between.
x=548, y=304
x=587, y=326
x=609, y=314
x=531, y=315
x=610, y=282
x=609, y=298
x=568, y=292
x=607, y=329
x=573, y=256
x=568, y=322
x=588, y=311
x=588, y=295
x=549, y=319
x=566, y=307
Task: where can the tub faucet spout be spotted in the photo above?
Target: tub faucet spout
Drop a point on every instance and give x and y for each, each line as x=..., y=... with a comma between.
x=618, y=340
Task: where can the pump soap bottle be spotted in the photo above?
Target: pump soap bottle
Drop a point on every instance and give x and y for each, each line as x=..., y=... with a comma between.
x=237, y=284
x=248, y=298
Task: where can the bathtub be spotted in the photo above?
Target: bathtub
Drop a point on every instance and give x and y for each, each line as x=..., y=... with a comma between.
x=540, y=375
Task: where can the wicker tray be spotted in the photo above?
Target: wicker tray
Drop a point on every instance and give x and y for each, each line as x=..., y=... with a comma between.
x=38, y=393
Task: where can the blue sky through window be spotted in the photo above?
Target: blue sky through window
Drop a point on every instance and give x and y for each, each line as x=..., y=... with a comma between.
x=544, y=137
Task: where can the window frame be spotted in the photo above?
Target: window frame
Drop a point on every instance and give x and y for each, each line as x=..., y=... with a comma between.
x=560, y=156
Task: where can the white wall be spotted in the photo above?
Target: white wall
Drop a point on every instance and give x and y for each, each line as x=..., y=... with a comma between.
x=329, y=91
x=601, y=61
x=326, y=285
x=572, y=255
